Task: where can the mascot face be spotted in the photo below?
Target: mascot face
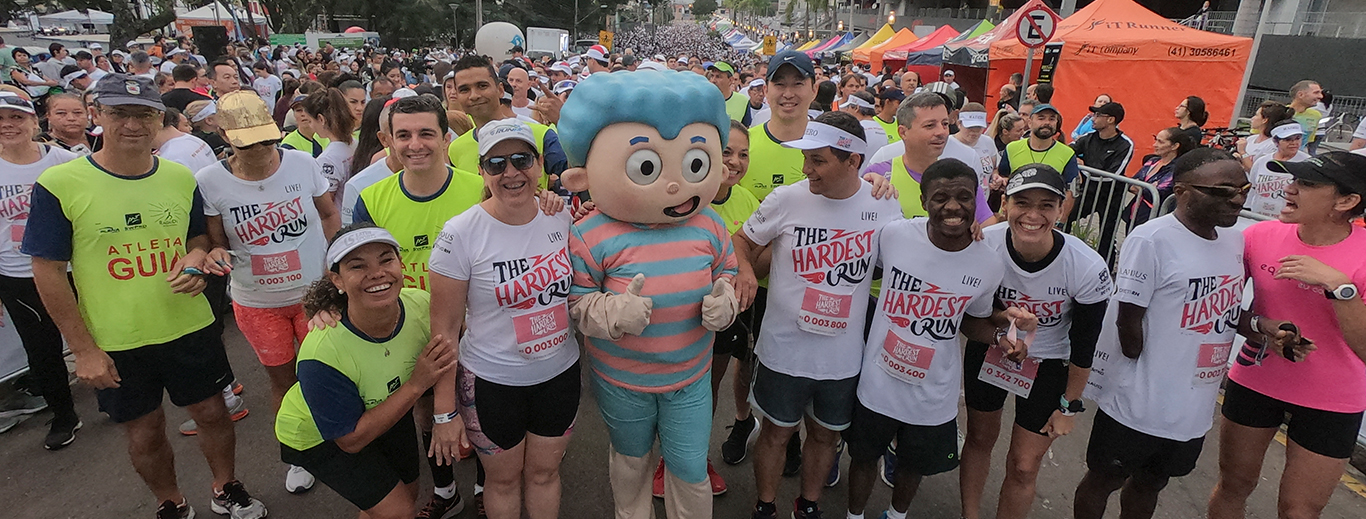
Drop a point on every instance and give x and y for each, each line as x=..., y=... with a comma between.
x=639, y=176
x=646, y=144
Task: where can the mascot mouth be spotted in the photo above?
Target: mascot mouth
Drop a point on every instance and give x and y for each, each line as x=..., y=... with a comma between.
x=683, y=209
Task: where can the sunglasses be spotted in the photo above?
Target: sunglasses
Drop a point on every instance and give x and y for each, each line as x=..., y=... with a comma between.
x=1222, y=191
x=497, y=165
x=269, y=144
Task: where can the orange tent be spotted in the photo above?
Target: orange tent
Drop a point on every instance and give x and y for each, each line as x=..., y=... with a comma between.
x=874, y=54
x=1142, y=60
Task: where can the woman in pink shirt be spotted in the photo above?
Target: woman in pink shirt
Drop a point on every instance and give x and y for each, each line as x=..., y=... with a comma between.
x=1306, y=270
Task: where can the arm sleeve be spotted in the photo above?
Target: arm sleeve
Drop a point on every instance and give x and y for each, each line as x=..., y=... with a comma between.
x=1087, y=320
x=199, y=224
x=555, y=160
x=48, y=232
x=332, y=398
x=1003, y=167
x=361, y=214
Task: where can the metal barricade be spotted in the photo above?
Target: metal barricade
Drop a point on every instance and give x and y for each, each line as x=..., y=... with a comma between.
x=1102, y=213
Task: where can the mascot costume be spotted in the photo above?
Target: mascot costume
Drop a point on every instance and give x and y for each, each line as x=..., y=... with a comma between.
x=652, y=270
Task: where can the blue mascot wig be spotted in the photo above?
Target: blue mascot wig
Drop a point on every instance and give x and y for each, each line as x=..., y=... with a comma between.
x=667, y=101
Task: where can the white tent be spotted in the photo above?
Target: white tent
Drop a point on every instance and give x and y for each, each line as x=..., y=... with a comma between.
x=74, y=17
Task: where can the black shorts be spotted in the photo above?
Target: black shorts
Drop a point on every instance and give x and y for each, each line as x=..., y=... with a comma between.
x=756, y=311
x=1116, y=447
x=927, y=449
x=784, y=399
x=1031, y=413
x=1325, y=433
x=498, y=417
x=364, y=478
x=189, y=369
x=735, y=340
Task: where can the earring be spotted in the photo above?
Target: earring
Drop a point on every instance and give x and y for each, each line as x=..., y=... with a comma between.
x=340, y=291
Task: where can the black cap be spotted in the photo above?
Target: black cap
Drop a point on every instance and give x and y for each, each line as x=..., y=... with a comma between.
x=1343, y=169
x=799, y=60
x=1111, y=109
x=1036, y=176
x=892, y=93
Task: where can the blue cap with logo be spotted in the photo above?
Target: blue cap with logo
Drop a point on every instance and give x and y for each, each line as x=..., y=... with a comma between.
x=799, y=60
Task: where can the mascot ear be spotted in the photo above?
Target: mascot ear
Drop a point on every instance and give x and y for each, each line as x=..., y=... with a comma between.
x=575, y=179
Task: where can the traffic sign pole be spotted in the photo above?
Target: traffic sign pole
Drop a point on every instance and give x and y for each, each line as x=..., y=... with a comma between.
x=1029, y=64
x=1034, y=29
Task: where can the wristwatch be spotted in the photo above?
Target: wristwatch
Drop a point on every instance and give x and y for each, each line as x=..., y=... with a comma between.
x=1069, y=407
x=1342, y=292
x=1255, y=323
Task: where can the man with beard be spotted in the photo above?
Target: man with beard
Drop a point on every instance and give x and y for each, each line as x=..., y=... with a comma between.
x=1041, y=148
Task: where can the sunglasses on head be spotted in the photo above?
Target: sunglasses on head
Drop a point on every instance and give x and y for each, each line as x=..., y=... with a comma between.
x=497, y=165
x=1222, y=191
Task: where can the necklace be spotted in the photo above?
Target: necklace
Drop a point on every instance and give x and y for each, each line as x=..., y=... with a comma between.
x=1034, y=158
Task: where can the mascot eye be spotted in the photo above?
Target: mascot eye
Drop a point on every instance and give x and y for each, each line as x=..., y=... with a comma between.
x=696, y=165
x=642, y=167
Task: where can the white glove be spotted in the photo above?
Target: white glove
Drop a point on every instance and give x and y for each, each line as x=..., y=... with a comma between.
x=720, y=306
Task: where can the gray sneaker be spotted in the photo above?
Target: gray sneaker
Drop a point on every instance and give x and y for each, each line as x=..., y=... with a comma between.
x=21, y=403
x=234, y=502
x=238, y=412
x=9, y=422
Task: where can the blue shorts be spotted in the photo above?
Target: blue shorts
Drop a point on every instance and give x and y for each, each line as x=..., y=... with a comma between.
x=681, y=418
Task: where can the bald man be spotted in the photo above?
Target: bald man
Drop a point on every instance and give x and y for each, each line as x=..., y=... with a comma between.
x=521, y=84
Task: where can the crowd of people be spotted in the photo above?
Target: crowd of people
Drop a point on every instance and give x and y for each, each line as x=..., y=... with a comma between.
x=430, y=251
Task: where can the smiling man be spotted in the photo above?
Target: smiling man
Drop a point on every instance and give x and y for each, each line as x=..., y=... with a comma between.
x=473, y=87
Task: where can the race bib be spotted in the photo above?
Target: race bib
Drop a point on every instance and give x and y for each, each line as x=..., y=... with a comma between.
x=1211, y=364
x=1015, y=377
x=16, y=232
x=904, y=360
x=542, y=331
x=824, y=313
x=282, y=269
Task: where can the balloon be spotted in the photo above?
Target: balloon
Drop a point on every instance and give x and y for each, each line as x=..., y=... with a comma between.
x=496, y=40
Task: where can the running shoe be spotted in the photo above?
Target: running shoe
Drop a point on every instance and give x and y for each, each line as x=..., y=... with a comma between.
x=657, y=485
x=718, y=485
x=238, y=412
x=170, y=510
x=834, y=477
x=21, y=403
x=736, y=447
x=237, y=387
x=793, y=465
x=298, y=480
x=809, y=512
x=62, y=433
x=234, y=502
x=759, y=514
x=9, y=422
x=442, y=508
x=887, y=467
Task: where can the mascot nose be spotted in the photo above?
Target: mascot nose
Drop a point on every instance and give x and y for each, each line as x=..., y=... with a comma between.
x=672, y=189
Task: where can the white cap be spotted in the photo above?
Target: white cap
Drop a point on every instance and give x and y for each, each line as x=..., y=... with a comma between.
x=972, y=119
x=402, y=93
x=597, y=52
x=14, y=101
x=821, y=135
x=1286, y=131
x=758, y=82
x=96, y=46
x=562, y=67
x=175, y=51
x=565, y=86
x=205, y=113
x=494, y=132
x=353, y=240
x=651, y=65
x=856, y=101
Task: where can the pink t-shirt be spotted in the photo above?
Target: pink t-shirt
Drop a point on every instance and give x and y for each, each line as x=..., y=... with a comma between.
x=1331, y=378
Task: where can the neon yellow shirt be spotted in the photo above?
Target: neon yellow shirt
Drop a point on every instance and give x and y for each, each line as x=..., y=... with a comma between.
x=890, y=128
x=770, y=164
x=736, y=208
x=415, y=222
x=296, y=141
x=464, y=150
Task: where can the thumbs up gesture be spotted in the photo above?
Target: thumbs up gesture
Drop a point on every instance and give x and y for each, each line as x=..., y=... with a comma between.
x=720, y=306
x=628, y=312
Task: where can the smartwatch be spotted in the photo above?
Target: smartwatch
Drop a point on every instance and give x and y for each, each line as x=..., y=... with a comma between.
x=1069, y=407
x=1342, y=292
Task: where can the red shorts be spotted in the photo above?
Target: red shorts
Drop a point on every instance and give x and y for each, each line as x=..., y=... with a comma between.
x=272, y=332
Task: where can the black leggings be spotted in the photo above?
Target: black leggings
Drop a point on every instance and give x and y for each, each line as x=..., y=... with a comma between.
x=42, y=342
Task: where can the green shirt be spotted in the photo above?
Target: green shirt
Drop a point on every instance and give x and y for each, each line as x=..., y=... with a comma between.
x=343, y=373
x=890, y=128
x=7, y=62
x=770, y=164
x=416, y=221
x=126, y=233
x=296, y=141
x=737, y=106
x=736, y=208
x=1309, y=121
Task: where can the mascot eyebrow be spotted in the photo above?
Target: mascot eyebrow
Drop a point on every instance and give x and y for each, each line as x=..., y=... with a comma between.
x=666, y=101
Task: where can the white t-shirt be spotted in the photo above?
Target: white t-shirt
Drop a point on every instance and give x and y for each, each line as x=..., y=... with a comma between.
x=1265, y=146
x=268, y=87
x=167, y=66
x=335, y=161
x=366, y=178
x=96, y=74
x=876, y=138
x=274, y=232
x=1192, y=289
x=987, y=157
x=823, y=256
x=1077, y=275
x=524, y=111
x=517, y=311
x=1360, y=132
x=913, y=364
x=1267, y=196
x=760, y=117
x=189, y=151
x=16, y=190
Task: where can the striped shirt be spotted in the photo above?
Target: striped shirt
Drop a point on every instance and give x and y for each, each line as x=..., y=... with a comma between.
x=680, y=262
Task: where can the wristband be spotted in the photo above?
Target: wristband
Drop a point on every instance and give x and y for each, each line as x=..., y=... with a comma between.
x=444, y=418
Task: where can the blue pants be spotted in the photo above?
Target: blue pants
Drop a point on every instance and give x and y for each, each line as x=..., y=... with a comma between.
x=681, y=418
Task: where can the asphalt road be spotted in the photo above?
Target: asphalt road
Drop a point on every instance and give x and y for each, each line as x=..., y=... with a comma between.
x=93, y=478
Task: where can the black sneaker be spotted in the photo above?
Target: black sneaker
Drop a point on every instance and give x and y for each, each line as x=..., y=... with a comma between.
x=760, y=514
x=805, y=512
x=170, y=510
x=62, y=433
x=793, y=465
x=736, y=447
x=442, y=508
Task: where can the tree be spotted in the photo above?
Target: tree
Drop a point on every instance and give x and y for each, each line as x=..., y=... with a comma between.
x=703, y=8
x=128, y=25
